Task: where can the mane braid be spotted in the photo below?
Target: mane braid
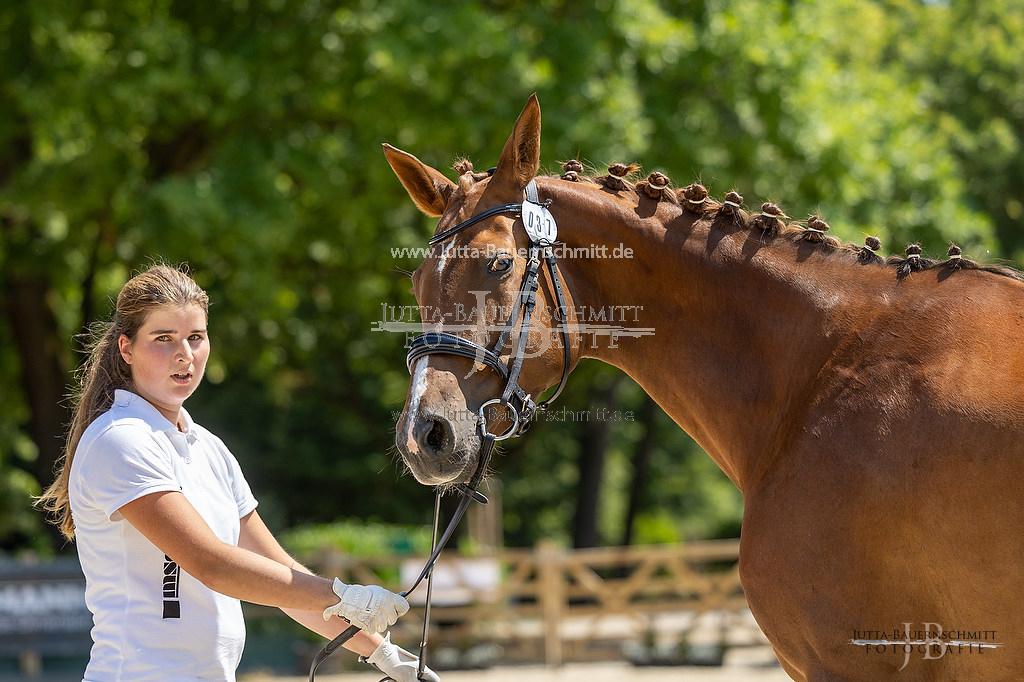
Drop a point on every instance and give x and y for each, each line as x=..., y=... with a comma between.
x=772, y=222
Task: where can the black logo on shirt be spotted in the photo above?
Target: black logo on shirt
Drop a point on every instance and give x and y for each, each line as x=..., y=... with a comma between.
x=172, y=576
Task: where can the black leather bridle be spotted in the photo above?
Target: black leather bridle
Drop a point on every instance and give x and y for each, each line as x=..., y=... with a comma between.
x=541, y=229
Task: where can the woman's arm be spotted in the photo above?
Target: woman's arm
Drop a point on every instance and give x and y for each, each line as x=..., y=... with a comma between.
x=394, y=661
x=256, y=537
x=170, y=522
x=257, y=571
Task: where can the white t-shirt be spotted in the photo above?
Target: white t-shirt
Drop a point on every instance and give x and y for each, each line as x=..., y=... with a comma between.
x=151, y=620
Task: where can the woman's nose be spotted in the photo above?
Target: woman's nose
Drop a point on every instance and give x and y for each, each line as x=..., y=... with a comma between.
x=185, y=352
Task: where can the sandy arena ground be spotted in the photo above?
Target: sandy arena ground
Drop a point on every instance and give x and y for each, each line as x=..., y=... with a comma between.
x=581, y=672
x=749, y=658
x=753, y=665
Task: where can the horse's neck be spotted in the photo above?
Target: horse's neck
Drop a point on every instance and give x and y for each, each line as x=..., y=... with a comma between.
x=728, y=332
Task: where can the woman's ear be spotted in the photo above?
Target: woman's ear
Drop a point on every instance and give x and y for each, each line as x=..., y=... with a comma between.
x=124, y=344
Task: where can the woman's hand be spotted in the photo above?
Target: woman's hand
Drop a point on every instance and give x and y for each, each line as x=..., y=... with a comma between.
x=397, y=663
x=371, y=608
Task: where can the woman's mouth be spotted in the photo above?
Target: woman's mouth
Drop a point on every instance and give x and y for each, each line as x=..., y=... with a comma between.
x=182, y=377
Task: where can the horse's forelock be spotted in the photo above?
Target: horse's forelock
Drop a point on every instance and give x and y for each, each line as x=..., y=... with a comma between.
x=464, y=168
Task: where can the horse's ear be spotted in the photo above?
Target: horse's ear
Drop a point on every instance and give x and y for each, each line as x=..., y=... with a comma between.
x=520, y=159
x=430, y=189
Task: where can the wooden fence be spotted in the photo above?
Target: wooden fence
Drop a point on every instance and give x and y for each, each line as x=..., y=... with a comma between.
x=555, y=605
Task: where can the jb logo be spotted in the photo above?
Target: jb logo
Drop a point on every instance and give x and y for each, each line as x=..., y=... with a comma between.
x=931, y=641
x=924, y=641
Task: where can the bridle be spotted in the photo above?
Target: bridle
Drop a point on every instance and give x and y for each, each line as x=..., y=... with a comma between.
x=542, y=231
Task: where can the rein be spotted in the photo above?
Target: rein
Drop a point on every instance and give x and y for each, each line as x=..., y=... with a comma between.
x=469, y=492
x=540, y=226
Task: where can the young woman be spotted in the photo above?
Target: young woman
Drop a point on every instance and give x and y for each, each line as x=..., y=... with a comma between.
x=166, y=527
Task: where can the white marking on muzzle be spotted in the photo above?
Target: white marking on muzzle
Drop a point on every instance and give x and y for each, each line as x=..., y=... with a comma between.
x=419, y=387
x=419, y=384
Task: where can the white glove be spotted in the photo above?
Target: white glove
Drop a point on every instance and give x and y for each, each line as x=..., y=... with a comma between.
x=397, y=663
x=371, y=608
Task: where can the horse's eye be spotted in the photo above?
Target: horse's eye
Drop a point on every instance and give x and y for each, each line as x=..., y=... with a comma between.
x=501, y=263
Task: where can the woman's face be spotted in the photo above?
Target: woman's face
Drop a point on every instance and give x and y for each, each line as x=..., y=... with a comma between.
x=168, y=356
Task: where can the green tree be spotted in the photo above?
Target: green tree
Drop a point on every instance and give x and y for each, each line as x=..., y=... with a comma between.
x=243, y=136
x=972, y=69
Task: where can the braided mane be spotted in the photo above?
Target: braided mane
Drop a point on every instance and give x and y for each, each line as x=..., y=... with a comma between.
x=771, y=221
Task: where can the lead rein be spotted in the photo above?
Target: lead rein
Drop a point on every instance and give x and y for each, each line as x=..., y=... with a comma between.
x=430, y=588
x=469, y=493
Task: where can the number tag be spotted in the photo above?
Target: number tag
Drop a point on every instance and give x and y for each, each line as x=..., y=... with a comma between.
x=539, y=223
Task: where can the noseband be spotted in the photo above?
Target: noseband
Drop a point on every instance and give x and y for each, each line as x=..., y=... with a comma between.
x=541, y=229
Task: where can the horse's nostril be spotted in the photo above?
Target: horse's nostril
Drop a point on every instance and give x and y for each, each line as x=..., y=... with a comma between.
x=435, y=437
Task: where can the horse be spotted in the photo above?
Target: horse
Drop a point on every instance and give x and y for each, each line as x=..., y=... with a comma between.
x=869, y=409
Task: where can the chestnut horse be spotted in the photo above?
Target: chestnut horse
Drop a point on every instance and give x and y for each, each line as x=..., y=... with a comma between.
x=871, y=411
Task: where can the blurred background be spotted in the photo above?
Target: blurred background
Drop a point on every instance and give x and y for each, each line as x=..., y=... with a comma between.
x=243, y=137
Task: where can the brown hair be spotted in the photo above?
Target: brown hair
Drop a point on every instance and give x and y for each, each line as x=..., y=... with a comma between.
x=105, y=370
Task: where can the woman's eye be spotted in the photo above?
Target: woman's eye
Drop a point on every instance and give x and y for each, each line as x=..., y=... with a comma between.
x=501, y=264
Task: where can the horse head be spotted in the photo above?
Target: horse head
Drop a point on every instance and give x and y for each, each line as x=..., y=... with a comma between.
x=490, y=342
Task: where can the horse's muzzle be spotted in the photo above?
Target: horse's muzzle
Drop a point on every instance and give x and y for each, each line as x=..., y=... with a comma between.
x=433, y=450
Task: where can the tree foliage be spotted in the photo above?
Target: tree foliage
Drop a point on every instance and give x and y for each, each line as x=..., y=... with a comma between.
x=243, y=137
